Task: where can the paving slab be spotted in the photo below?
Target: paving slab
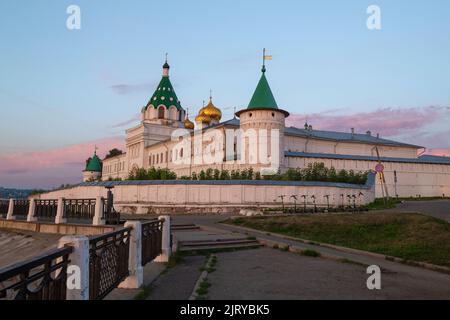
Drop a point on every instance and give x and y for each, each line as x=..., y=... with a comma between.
x=276, y=275
x=178, y=282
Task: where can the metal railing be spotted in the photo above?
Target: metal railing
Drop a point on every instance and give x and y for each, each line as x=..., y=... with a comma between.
x=46, y=209
x=81, y=209
x=151, y=240
x=40, y=278
x=108, y=262
x=21, y=208
x=4, y=206
x=110, y=215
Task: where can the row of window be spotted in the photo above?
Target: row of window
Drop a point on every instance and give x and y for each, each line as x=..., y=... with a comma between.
x=116, y=167
x=165, y=157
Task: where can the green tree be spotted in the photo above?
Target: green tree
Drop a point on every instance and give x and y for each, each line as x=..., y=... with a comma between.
x=113, y=153
x=224, y=175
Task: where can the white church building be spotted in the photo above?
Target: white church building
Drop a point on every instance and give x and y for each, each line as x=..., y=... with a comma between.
x=150, y=144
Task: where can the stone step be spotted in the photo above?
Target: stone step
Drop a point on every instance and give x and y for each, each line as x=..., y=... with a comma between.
x=215, y=241
x=183, y=227
x=218, y=246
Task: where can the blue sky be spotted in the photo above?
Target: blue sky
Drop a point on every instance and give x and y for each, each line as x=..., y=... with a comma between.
x=56, y=85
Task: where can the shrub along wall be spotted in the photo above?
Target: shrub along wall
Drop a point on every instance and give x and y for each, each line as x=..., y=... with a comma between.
x=314, y=172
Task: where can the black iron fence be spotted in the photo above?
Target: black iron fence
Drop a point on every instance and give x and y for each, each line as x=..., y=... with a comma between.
x=21, y=208
x=110, y=215
x=80, y=209
x=108, y=262
x=4, y=206
x=46, y=209
x=151, y=240
x=40, y=278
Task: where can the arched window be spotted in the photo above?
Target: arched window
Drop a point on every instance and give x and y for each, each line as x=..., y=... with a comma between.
x=161, y=112
x=157, y=158
x=181, y=153
x=162, y=158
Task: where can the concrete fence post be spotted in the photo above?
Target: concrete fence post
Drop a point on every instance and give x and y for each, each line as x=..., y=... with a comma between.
x=60, y=212
x=78, y=270
x=10, y=216
x=136, y=278
x=98, y=217
x=31, y=211
x=166, y=249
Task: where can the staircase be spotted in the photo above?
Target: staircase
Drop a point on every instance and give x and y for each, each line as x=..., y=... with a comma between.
x=218, y=244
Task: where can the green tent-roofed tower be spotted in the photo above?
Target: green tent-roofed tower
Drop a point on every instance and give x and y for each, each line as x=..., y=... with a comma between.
x=265, y=118
x=94, y=164
x=93, y=171
x=164, y=94
x=263, y=97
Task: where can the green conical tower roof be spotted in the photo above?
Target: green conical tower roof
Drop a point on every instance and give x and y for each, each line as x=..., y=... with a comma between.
x=263, y=97
x=94, y=164
x=164, y=93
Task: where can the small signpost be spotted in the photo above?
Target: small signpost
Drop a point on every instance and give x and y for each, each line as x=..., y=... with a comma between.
x=379, y=168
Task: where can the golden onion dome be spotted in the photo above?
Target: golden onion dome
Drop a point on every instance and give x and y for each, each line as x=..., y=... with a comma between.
x=202, y=118
x=211, y=111
x=188, y=124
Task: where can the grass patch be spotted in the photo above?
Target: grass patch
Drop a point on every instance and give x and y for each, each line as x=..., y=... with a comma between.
x=174, y=260
x=203, y=289
x=144, y=294
x=380, y=204
x=407, y=236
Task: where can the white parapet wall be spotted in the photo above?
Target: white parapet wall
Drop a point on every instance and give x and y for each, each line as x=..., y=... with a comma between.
x=218, y=196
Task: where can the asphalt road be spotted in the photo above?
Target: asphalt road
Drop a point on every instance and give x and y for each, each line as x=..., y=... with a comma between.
x=269, y=274
x=438, y=209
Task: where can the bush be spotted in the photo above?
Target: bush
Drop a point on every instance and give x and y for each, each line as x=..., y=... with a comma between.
x=225, y=175
x=313, y=172
x=152, y=174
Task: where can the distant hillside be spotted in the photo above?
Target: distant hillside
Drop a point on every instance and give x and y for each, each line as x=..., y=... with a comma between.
x=6, y=193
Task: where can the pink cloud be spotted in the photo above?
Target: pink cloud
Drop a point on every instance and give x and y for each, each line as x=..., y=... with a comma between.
x=38, y=167
x=386, y=121
x=438, y=152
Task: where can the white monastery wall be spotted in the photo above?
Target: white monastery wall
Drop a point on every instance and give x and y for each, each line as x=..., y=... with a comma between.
x=218, y=196
x=413, y=179
x=299, y=144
